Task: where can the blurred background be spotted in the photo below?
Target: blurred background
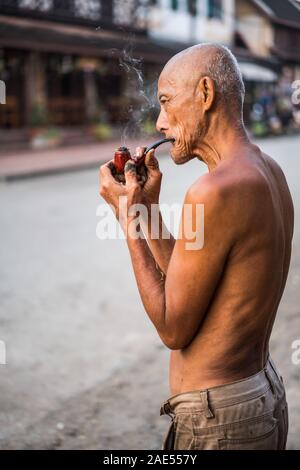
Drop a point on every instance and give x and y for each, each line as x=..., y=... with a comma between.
x=84, y=367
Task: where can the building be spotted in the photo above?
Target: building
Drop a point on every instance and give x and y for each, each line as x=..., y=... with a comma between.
x=60, y=60
x=266, y=40
x=192, y=21
x=69, y=63
x=271, y=30
x=264, y=35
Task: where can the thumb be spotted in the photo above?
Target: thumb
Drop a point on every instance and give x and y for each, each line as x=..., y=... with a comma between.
x=151, y=161
x=130, y=172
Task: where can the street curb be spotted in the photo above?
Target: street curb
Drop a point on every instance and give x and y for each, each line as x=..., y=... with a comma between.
x=48, y=172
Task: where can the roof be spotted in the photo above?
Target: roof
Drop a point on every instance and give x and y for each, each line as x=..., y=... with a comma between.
x=281, y=11
x=51, y=37
x=257, y=73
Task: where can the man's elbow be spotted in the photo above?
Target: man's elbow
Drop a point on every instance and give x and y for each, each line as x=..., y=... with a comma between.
x=175, y=342
x=174, y=333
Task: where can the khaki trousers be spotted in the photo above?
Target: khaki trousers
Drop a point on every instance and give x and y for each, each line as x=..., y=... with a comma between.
x=248, y=414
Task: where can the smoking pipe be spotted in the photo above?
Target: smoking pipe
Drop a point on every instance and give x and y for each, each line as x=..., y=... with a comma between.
x=122, y=155
x=156, y=144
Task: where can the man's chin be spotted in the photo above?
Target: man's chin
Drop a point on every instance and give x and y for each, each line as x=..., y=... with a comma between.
x=179, y=157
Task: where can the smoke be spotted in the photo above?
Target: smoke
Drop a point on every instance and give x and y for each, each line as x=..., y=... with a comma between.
x=140, y=94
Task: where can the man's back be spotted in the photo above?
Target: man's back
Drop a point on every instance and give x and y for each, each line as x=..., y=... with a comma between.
x=232, y=340
x=213, y=305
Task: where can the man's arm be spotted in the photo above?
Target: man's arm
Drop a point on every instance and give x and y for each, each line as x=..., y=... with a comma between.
x=161, y=248
x=152, y=223
x=178, y=304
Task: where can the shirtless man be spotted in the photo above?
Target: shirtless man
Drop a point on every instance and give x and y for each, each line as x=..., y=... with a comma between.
x=214, y=307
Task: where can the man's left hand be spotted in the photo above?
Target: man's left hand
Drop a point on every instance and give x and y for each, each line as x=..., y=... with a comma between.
x=111, y=190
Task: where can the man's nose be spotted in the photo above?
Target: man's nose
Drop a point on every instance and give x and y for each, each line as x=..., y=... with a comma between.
x=162, y=124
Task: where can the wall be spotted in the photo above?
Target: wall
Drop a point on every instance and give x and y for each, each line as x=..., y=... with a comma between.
x=167, y=24
x=255, y=28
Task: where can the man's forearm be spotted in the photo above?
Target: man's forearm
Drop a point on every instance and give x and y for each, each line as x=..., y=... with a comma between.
x=161, y=242
x=149, y=281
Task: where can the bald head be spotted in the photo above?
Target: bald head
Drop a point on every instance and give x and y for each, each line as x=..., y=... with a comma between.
x=201, y=93
x=212, y=60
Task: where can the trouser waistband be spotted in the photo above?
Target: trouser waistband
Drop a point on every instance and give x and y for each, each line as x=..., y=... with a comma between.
x=228, y=394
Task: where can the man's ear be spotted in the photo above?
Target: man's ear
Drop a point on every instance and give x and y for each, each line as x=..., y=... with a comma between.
x=206, y=88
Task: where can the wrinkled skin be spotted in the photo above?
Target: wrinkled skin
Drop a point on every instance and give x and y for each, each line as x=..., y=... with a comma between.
x=177, y=119
x=216, y=307
x=183, y=114
x=141, y=185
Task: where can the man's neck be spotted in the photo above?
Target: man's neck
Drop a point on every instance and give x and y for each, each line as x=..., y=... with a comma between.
x=220, y=145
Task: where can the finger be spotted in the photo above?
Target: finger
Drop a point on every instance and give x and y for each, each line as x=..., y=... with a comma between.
x=142, y=170
x=112, y=167
x=151, y=161
x=130, y=172
x=107, y=168
x=107, y=175
x=139, y=151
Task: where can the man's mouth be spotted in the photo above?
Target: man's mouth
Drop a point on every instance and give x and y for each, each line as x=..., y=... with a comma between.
x=172, y=139
x=174, y=142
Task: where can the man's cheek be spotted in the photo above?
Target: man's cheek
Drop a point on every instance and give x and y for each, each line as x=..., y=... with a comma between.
x=186, y=131
x=179, y=134
x=183, y=140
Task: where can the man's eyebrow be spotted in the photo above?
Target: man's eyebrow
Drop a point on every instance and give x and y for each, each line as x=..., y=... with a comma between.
x=161, y=95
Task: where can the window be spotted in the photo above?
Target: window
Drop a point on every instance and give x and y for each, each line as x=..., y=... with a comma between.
x=89, y=9
x=215, y=9
x=124, y=11
x=174, y=5
x=41, y=5
x=192, y=7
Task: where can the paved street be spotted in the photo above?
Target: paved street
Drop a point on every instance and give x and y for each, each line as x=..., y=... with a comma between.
x=85, y=368
x=38, y=162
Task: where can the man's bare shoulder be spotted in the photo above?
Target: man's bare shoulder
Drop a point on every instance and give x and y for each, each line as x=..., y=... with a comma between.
x=226, y=184
x=218, y=192
x=281, y=184
x=209, y=190
x=272, y=163
x=275, y=168
x=232, y=198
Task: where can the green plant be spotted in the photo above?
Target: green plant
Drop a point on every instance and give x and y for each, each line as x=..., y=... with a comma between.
x=148, y=127
x=39, y=116
x=102, y=131
x=52, y=133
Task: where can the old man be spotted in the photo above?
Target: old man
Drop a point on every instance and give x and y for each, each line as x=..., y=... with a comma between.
x=213, y=307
